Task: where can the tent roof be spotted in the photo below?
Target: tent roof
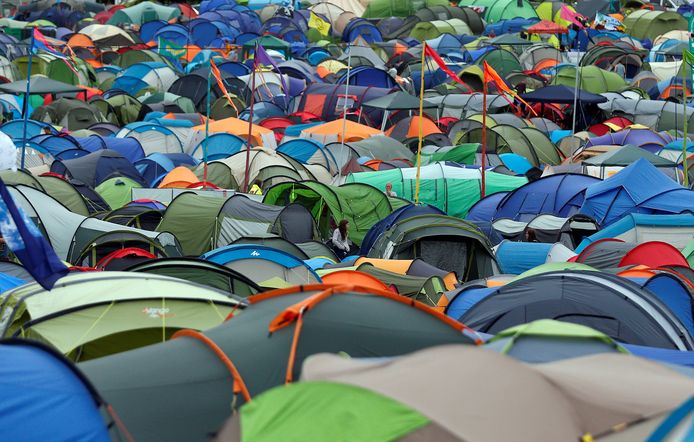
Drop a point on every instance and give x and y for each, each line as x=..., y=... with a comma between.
x=39, y=85
x=397, y=101
x=547, y=27
x=626, y=155
x=562, y=94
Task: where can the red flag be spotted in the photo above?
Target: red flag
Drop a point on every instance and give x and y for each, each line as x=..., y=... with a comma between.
x=428, y=50
x=218, y=76
x=490, y=75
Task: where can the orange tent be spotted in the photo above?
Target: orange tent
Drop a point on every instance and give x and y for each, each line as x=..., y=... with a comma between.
x=259, y=135
x=409, y=128
x=354, y=277
x=179, y=177
x=333, y=130
x=82, y=41
x=401, y=266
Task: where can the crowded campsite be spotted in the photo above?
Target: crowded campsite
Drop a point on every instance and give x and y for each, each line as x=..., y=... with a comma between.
x=347, y=220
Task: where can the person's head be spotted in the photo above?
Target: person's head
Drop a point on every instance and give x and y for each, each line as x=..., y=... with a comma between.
x=389, y=187
x=343, y=226
x=530, y=235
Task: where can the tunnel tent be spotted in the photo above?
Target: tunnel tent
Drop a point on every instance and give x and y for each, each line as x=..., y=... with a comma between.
x=200, y=272
x=647, y=24
x=498, y=10
x=360, y=204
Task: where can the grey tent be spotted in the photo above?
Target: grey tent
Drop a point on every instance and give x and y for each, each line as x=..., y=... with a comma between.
x=40, y=85
x=397, y=101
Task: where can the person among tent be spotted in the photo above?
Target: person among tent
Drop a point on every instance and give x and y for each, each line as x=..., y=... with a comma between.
x=256, y=188
x=340, y=241
x=530, y=235
x=389, y=191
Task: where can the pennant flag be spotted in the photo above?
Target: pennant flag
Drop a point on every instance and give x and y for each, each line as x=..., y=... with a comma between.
x=220, y=82
x=573, y=17
x=490, y=75
x=40, y=43
x=607, y=22
x=440, y=63
x=27, y=243
x=262, y=58
x=318, y=24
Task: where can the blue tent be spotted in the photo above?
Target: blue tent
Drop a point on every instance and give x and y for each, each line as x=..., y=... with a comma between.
x=45, y=397
x=218, y=146
x=485, y=209
x=97, y=167
x=156, y=165
x=308, y=151
x=559, y=195
x=675, y=295
x=638, y=188
x=515, y=258
x=386, y=223
x=128, y=147
x=632, y=221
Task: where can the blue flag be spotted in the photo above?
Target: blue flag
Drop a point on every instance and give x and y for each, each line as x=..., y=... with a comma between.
x=27, y=243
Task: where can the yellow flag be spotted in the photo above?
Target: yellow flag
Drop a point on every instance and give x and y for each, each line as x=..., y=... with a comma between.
x=318, y=24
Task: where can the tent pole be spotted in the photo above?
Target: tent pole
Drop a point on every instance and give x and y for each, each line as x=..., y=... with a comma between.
x=421, y=124
x=573, y=125
x=207, y=125
x=684, y=122
x=250, y=122
x=484, y=136
x=344, y=106
x=25, y=105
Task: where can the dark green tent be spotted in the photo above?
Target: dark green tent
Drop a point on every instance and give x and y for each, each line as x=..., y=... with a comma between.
x=183, y=390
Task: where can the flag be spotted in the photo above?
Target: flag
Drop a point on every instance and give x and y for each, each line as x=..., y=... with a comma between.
x=27, y=243
x=607, y=22
x=318, y=24
x=437, y=59
x=220, y=82
x=41, y=43
x=573, y=17
x=261, y=57
x=490, y=75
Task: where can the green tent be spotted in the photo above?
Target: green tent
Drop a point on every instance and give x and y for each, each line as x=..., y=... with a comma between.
x=647, y=24
x=398, y=8
x=360, y=204
x=592, y=79
x=451, y=189
x=427, y=30
x=66, y=193
x=94, y=314
x=61, y=71
x=497, y=10
x=623, y=156
x=554, y=267
x=142, y=13
x=117, y=191
x=202, y=223
x=461, y=154
x=688, y=253
x=69, y=113
x=504, y=62
x=157, y=390
x=546, y=340
x=268, y=42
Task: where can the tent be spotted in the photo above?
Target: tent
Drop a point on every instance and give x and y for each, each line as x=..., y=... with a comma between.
x=360, y=204
x=547, y=228
x=386, y=223
x=449, y=188
x=542, y=401
x=496, y=11
x=638, y=188
x=48, y=395
x=562, y=94
x=591, y=79
x=609, y=253
x=394, y=8
x=105, y=313
x=200, y=272
x=267, y=267
x=95, y=168
x=444, y=242
x=335, y=130
x=142, y=13
x=515, y=258
x=614, y=160
x=648, y=24
x=358, y=322
x=612, y=305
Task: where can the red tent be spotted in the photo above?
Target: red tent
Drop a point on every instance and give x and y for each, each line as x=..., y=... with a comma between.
x=547, y=27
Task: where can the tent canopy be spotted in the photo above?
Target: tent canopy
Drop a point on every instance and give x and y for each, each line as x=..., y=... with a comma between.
x=39, y=85
x=562, y=94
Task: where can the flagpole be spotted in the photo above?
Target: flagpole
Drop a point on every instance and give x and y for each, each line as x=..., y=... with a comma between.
x=573, y=125
x=250, y=123
x=25, y=105
x=344, y=105
x=207, y=125
x=421, y=125
x=684, y=123
x=484, y=137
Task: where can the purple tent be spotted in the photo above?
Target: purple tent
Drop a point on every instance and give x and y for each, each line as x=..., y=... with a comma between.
x=644, y=138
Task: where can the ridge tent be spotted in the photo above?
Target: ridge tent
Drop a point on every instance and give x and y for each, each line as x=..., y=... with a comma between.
x=358, y=322
x=117, y=192
x=95, y=314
